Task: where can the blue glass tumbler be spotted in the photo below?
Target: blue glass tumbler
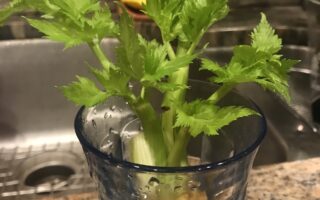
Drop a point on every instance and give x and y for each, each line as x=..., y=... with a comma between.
x=219, y=165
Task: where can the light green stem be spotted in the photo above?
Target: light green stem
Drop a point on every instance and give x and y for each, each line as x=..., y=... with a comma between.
x=195, y=43
x=221, y=92
x=178, y=151
x=152, y=132
x=167, y=130
x=179, y=77
x=178, y=96
x=170, y=50
x=96, y=48
x=168, y=116
x=143, y=92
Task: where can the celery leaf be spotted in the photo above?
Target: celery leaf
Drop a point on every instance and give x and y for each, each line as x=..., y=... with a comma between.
x=55, y=32
x=203, y=117
x=147, y=61
x=185, y=19
x=10, y=9
x=155, y=55
x=157, y=68
x=166, y=15
x=130, y=53
x=68, y=21
x=264, y=38
x=83, y=92
x=114, y=82
x=198, y=15
x=166, y=68
x=257, y=63
x=16, y=6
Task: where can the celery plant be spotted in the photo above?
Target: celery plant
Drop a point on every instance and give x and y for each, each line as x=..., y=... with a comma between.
x=160, y=66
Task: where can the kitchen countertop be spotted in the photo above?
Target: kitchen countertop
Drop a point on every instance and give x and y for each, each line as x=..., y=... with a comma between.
x=299, y=180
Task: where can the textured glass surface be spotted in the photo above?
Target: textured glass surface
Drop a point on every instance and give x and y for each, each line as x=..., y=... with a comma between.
x=219, y=165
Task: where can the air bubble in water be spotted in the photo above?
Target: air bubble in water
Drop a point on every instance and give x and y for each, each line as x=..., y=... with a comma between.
x=107, y=115
x=94, y=124
x=107, y=147
x=144, y=196
x=112, y=131
x=193, y=185
x=153, y=182
x=130, y=86
x=113, y=108
x=177, y=188
x=134, y=195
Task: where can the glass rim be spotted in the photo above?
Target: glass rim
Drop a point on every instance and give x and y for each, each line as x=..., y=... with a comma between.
x=187, y=169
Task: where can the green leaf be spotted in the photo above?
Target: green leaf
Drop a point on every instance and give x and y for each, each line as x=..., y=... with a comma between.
x=203, y=117
x=83, y=92
x=248, y=56
x=173, y=65
x=185, y=19
x=16, y=6
x=13, y=7
x=157, y=68
x=155, y=56
x=286, y=64
x=75, y=9
x=165, y=13
x=257, y=63
x=102, y=24
x=146, y=61
x=163, y=86
x=115, y=82
x=198, y=15
x=245, y=66
x=69, y=21
x=130, y=53
x=213, y=67
x=264, y=38
x=277, y=87
x=166, y=68
x=55, y=32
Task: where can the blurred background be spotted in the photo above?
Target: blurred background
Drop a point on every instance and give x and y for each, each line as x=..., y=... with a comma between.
x=39, y=153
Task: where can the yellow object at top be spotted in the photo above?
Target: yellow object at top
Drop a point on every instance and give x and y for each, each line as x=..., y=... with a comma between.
x=134, y=3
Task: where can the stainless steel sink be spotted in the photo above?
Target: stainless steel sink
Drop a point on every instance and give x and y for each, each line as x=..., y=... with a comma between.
x=36, y=124
x=39, y=152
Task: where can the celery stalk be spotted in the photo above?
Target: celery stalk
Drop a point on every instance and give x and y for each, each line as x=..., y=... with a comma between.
x=141, y=151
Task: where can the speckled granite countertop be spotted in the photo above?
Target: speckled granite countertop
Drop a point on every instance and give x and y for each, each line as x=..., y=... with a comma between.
x=299, y=180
